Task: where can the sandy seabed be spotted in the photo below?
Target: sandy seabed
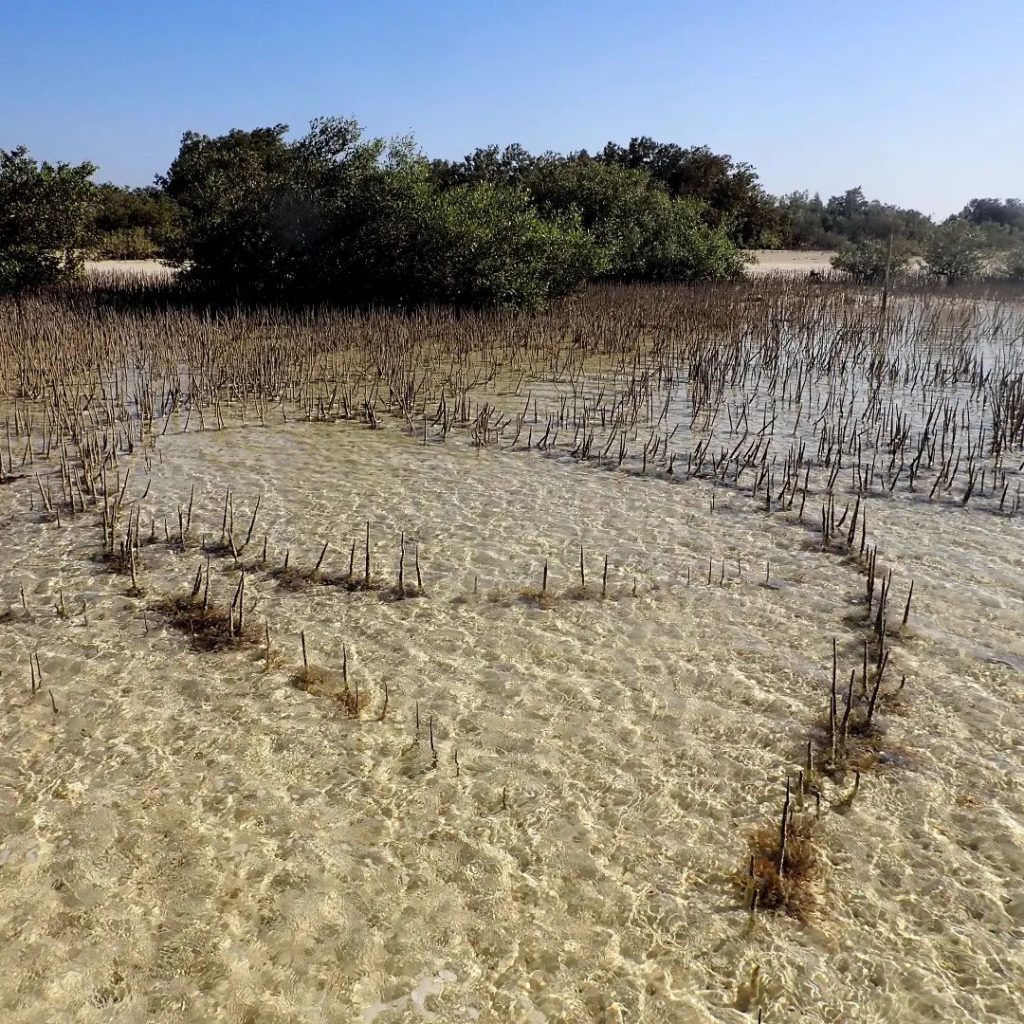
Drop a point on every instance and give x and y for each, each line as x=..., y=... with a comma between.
x=191, y=838
x=542, y=812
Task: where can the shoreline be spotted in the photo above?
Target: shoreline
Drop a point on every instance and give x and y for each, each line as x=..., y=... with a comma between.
x=792, y=262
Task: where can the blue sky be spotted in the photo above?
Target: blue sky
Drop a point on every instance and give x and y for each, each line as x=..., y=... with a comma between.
x=920, y=102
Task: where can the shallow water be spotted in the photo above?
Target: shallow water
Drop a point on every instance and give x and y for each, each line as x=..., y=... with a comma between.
x=192, y=838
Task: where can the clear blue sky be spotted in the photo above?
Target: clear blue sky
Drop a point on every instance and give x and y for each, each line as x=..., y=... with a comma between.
x=921, y=102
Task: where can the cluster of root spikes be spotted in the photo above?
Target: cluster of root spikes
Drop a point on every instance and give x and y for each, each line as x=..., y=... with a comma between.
x=851, y=734
x=122, y=554
x=544, y=597
x=333, y=684
x=211, y=625
x=408, y=581
x=784, y=863
x=226, y=545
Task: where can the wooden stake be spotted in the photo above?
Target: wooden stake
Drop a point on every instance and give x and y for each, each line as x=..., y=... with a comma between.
x=906, y=610
x=783, y=832
x=367, y=565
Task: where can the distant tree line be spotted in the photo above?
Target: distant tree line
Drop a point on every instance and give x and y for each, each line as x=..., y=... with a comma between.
x=132, y=223
x=807, y=222
x=332, y=216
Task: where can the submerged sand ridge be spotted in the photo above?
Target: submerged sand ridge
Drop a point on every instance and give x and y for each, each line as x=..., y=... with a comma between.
x=191, y=837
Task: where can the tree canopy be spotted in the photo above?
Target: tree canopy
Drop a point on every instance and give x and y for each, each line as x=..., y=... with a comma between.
x=45, y=219
x=1007, y=213
x=955, y=251
x=334, y=216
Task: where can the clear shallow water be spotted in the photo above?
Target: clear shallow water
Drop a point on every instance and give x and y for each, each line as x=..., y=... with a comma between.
x=191, y=838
